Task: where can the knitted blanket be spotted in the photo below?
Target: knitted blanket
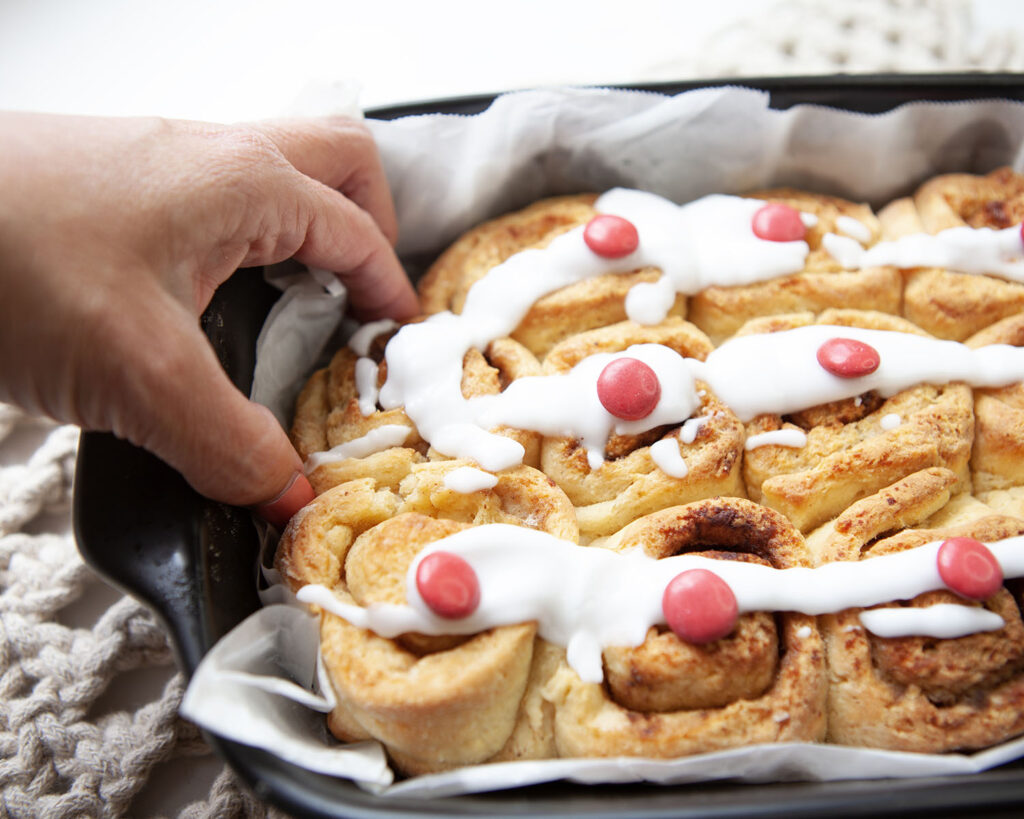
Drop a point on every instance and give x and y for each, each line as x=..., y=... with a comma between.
x=57, y=757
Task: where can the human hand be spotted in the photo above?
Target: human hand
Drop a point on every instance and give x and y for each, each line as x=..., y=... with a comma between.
x=114, y=234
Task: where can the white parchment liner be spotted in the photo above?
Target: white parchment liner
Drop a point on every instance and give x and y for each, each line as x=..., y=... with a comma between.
x=449, y=173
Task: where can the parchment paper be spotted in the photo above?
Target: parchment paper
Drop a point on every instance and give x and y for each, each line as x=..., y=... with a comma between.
x=450, y=172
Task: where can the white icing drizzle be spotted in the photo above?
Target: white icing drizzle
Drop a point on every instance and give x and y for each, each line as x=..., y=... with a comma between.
x=691, y=428
x=848, y=252
x=567, y=404
x=362, y=338
x=965, y=249
x=708, y=241
x=589, y=598
x=466, y=479
x=665, y=453
x=366, y=385
x=809, y=219
x=767, y=373
x=794, y=438
x=890, y=421
x=943, y=620
x=376, y=440
x=779, y=372
x=649, y=302
x=853, y=228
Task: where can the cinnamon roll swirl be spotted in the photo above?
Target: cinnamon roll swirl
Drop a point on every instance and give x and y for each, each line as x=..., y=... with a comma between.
x=337, y=411
x=763, y=682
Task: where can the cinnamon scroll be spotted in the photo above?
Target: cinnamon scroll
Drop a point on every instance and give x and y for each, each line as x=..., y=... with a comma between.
x=946, y=303
x=339, y=425
x=922, y=693
x=762, y=682
x=435, y=702
x=636, y=476
x=856, y=446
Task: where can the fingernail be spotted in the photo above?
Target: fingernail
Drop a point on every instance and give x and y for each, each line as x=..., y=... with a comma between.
x=279, y=511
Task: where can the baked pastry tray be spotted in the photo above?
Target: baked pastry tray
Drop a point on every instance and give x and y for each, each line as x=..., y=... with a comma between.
x=140, y=526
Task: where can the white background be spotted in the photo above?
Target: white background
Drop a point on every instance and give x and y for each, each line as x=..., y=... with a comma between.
x=230, y=60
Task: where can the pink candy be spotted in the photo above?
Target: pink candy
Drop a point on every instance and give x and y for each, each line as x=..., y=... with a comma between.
x=699, y=606
x=968, y=568
x=611, y=237
x=448, y=585
x=848, y=358
x=776, y=222
x=628, y=389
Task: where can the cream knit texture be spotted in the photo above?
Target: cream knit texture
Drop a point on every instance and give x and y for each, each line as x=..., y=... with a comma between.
x=56, y=758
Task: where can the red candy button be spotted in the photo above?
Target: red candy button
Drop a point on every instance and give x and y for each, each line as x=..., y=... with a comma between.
x=848, y=358
x=628, y=389
x=611, y=236
x=699, y=606
x=968, y=568
x=448, y=585
x=778, y=223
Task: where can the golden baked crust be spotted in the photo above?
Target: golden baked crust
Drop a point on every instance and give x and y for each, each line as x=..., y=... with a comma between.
x=997, y=460
x=423, y=697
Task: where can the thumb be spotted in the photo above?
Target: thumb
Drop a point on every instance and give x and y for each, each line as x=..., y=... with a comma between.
x=176, y=401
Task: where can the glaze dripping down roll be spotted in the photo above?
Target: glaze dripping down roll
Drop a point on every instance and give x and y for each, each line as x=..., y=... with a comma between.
x=338, y=409
x=630, y=482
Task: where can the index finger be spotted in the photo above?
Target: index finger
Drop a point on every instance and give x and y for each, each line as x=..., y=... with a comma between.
x=340, y=153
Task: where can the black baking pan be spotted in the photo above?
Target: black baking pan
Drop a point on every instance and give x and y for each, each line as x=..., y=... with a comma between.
x=140, y=526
